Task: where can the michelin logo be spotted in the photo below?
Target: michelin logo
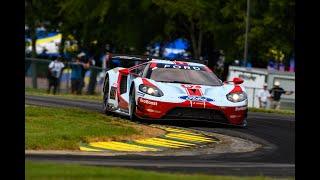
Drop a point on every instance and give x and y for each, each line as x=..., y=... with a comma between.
x=196, y=98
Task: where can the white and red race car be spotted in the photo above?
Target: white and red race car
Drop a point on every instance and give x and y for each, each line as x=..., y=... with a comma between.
x=161, y=89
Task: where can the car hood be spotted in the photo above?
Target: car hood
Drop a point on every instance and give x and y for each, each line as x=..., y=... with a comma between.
x=174, y=90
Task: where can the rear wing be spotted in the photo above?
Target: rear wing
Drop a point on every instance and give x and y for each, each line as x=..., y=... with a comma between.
x=127, y=61
x=205, y=62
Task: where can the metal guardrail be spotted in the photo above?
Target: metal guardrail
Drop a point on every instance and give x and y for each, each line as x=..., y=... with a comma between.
x=253, y=101
x=37, y=69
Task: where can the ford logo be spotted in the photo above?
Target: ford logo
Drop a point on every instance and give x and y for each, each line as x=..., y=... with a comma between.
x=196, y=98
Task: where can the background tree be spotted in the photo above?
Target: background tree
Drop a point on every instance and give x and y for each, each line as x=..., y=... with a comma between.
x=271, y=26
x=191, y=19
x=209, y=25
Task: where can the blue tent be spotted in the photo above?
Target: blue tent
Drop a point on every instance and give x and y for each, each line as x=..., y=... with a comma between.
x=179, y=45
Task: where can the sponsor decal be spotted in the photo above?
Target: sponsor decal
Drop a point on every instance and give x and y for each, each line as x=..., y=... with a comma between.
x=140, y=94
x=153, y=111
x=240, y=108
x=145, y=101
x=248, y=77
x=197, y=103
x=191, y=86
x=113, y=92
x=196, y=98
x=176, y=66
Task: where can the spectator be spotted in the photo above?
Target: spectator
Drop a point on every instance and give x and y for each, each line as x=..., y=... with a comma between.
x=76, y=77
x=85, y=65
x=93, y=77
x=105, y=60
x=92, y=62
x=263, y=96
x=55, y=69
x=236, y=63
x=276, y=93
x=43, y=53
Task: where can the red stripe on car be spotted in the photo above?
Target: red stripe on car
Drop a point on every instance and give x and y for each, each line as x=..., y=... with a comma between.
x=193, y=90
x=181, y=63
x=207, y=69
x=148, y=83
x=236, y=89
x=152, y=65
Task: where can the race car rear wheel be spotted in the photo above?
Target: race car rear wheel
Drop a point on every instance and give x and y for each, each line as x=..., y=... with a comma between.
x=133, y=106
x=106, y=108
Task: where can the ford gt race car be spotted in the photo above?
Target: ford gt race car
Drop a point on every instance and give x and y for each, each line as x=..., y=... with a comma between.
x=174, y=90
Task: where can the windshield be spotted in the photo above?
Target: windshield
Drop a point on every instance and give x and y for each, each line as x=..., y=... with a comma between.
x=184, y=75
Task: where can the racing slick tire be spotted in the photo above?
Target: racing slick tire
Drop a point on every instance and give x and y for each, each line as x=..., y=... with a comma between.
x=133, y=106
x=106, y=108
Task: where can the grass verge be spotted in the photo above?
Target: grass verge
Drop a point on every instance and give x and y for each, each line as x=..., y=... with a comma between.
x=41, y=170
x=286, y=112
x=64, y=128
x=43, y=92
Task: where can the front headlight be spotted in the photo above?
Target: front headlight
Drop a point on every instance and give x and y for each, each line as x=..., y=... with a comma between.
x=237, y=97
x=153, y=91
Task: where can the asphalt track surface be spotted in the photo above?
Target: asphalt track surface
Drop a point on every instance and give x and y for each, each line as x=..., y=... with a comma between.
x=275, y=132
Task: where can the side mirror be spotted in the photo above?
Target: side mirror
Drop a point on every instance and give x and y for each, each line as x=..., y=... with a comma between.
x=237, y=80
x=124, y=71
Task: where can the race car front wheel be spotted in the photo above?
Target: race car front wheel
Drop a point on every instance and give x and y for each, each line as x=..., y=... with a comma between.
x=133, y=106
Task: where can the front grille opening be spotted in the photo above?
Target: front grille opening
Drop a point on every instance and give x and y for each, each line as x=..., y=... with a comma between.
x=196, y=114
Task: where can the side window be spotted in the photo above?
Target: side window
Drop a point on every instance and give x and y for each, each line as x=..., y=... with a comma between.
x=146, y=70
x=139, y=70
x=123, y=84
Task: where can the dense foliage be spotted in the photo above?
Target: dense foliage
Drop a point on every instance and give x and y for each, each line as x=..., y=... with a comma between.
x=209, y=25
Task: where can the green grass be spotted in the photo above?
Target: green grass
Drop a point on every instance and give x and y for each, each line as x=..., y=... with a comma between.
x=36, y=170
x=43, y=92
x=65, y=128
x=286, y=112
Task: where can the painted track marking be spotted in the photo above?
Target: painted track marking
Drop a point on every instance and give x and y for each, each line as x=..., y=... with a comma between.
x=155, y=142
x=83, y=148
x=180, y=131
x=189, y=138
x=174, y=142
x=175, y=138
x=120, y=146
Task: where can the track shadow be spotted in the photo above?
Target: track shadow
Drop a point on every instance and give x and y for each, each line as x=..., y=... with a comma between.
x=187, y=123
x=181, y=123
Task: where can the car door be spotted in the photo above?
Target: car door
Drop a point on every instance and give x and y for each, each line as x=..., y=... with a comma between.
x=124, y=82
